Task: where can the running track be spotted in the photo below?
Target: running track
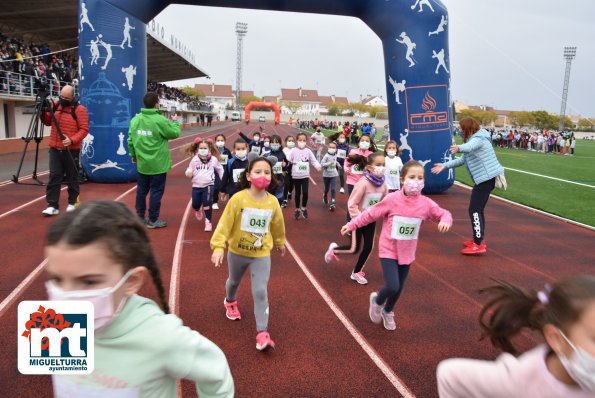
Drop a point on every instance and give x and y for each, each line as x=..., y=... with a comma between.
x=326, y=345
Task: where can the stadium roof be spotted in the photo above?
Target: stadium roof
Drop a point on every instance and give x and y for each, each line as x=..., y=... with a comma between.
x=55, y=23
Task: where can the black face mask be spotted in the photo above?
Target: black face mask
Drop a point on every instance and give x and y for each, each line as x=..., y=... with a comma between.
x=66, y=102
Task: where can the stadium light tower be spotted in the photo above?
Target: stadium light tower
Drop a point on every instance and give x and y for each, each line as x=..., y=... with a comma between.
x=241, y=30
x=569, y=54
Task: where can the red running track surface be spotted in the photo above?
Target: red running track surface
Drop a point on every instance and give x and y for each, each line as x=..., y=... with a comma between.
x=317, y=354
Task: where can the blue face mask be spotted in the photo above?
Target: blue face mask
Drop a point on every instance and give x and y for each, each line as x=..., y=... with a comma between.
x=275, y=147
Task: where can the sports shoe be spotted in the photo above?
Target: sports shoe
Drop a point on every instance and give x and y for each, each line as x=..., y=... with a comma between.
x=263, y=341
x=231, y=310
x=156, y=224
x=284, y=204
x=332, y=206
x=50, y=211
x=388, y=320
x=70, y=208
x=471, y=242
x=296, y=214
x=330, y=255
x=325, y=200
x=208, y=226
x=342, y=191
x=199, y=214
x=305, y=214
x=375, y=310
x=474, y=249
x=215, y=206
x=359, y=277
x=289, y=196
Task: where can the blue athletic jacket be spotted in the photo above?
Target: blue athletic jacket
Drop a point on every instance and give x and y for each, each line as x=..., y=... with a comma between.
x=479, y=157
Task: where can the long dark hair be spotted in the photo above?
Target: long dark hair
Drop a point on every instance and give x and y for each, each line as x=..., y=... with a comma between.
x=362, y=161
x=512, y=308
x=113, y=224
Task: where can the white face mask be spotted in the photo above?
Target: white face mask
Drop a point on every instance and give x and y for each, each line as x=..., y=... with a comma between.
x=241, y=154
x=364, y=145
x=331, y=151
x=290, y=144
x=256, y=138
x=391, y=154
x=267, y=144
x=203, y=152
x=341, y=140
x=301, y=144
x=220, y=144
x=581, y=367
x=102, y=300
x=378, y=171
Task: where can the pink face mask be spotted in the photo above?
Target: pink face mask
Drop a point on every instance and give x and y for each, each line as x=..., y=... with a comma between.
x=260, y=182
x=413, y=187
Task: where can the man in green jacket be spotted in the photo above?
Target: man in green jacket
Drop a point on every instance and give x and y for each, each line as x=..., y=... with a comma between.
x=147, y=141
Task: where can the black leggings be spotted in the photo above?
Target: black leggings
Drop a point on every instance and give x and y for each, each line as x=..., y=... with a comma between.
x=479, y=199
x=288, y=188
x=301, y=185
x=365, y=232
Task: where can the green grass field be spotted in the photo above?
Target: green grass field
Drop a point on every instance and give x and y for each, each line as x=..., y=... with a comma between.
x=575, y=202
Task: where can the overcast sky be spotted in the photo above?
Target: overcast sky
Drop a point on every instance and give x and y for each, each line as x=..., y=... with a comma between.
x=503, y=53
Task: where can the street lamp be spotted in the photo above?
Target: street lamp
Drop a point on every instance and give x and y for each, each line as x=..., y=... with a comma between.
x=241, y=30
x=569, y=54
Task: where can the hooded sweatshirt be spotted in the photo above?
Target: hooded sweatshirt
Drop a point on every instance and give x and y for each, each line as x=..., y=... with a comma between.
x=203, y=174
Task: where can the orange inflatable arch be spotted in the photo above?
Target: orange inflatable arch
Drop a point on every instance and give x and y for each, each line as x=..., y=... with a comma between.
x=269, y=105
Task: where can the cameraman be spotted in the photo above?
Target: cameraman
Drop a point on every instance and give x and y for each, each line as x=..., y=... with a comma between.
x=73, y=121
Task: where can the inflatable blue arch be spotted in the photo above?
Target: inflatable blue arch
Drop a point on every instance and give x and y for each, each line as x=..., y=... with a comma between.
x=414, y=34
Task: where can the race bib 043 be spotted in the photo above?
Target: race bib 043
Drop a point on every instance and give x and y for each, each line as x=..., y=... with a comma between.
x=405, y=228
x=256, y=221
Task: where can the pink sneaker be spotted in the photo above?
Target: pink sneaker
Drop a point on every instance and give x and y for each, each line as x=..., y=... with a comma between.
x=199, y=214
x=330, y=254
x=263, y=341
x=231, y=310
x=208, y=226
x=359, y=277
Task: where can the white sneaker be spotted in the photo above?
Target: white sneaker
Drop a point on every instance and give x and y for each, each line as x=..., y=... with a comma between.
x=388, y=320
x=215, y=206
x=330, y=254
x=341, y=191
x=359, y=277
x=50, y=211
x=375, y=309
x=70, y=208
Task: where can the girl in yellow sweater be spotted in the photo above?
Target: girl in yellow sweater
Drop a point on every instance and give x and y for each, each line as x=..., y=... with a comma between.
x=251, y=225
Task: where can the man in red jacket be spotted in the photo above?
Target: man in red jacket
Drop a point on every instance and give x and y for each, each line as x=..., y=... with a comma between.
x=73, y=121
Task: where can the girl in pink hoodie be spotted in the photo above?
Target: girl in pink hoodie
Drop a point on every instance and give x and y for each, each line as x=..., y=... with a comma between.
x=403, y=212
x=365, y=148
x=202, y=169
x=367, y=192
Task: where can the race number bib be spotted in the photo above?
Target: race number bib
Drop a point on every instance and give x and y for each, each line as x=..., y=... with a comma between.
x=277, y=168
x=319, y=140
x=236, y=174
x=332, y=166
x=256, y=221
x=341, y=153
x=371, y=199
x=303, y=167
x=356, y=170
x=393, y=172
x=405, y=228
x=255, y=149
x=223, y=160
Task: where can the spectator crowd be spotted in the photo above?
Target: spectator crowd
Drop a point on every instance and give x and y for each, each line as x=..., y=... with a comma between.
x=552, y=142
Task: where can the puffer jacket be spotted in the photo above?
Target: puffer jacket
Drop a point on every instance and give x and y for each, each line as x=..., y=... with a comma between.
x=76, y=130
x=479, y=157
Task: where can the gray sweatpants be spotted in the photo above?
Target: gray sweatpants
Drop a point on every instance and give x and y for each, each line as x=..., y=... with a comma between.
x=260, y=271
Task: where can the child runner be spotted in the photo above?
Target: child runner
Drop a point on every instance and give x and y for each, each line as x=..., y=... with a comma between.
x=562, y=367
x=342, y=152
x=235, y=166
x=266, y=147
x=365, y=148
x=202, y=169
x=330, y=165
x=254, y=144
x=224, y=155
x=301, y=158
x=367, y=192
x=393, y=164
x=251, y=224
x=100, y=252
x=403, y=213
x=277, y=151
x=288, y=186
x=317, y=142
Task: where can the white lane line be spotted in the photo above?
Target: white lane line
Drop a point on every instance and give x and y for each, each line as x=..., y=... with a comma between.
x=25, y=283
x=25, y=205
x=174, y=282
x=361, y=340
x=9, y=182
x=551, y=178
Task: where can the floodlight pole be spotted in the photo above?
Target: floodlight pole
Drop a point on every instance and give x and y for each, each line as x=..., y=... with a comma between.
x=241, y=30
x=569, y=54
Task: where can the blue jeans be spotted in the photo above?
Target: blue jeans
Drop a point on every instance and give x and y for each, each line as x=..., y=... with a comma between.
x=155, y=185
x=394, y=280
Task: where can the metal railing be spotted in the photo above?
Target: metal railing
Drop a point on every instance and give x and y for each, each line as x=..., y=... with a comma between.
x=25, y=85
